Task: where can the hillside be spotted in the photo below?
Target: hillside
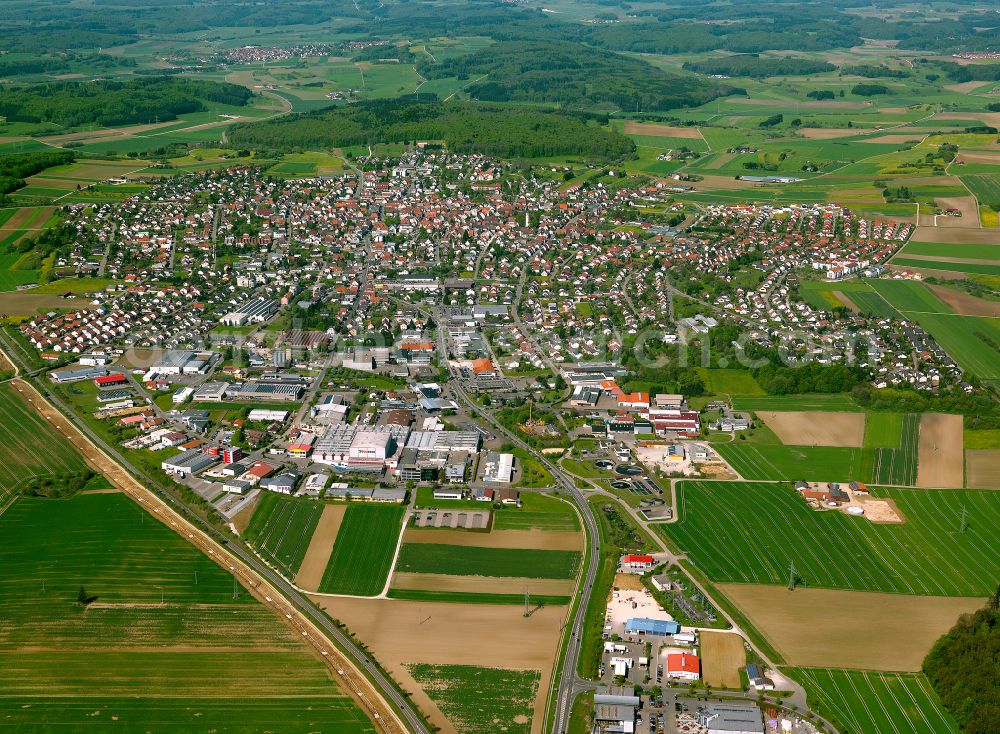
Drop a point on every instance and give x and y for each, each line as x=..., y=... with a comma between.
x=464, y=127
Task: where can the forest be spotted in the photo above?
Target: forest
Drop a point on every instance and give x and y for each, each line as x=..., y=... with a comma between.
x=964, y=668
x=16, y=167
x=109, y=103
x=757, y=67
x=573, y=75
x=463, y=127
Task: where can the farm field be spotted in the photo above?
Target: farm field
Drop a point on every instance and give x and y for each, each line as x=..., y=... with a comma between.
x=897, y=632
x=458, y=560
x=539, y=512
x=967, y=339
x=964, y=252
x=281, y=529
x=834, y=550
x=363, y=551
x=892, y=456
x=809, y=463
x=480, y=700
x=163, y=641
x=730, y=382
x=876, y=703
x=940, y=460
x=837, y=402
x=807, y=428
x=883, y=430
x=29, y=446
x=400, y=633
x=722, y=658
x=910, y=295
x=982, y=467
x=317, y=554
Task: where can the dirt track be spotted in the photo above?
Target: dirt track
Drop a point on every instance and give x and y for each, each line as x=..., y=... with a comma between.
x=940, y=460
x=816, y=428
x=849, y=629
x=320, y=546
x=342, y=669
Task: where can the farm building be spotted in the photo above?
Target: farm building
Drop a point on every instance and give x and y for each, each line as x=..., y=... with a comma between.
x=732, y=718
x=682, y=666
x=645, y=626
x=636, y=564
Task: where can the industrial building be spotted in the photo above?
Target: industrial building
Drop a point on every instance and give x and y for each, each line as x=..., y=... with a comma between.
x=254, y=311
x=499, y=468
x=264, y=391
x=732, y=718
x=188, y=463
x=645, y=626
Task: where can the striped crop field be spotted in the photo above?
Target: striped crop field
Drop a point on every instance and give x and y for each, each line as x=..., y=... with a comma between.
x=166, y=643
x=462, y=560
x=363, y=551
x=743, y=532
x=809, y=463
x=893, y=465
x=29, y=446
x=867, y=702
x=281, y=529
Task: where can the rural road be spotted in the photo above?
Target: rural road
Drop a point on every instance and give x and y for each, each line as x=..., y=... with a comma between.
x=351, y=667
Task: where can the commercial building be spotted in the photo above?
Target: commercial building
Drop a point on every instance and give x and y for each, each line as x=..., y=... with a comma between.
x=637, y=563
x=499, y=468
x=682, y=666
x=645, y=626
x=254, y=311
x=732, y=718
x=264, y=391
x=188, y=463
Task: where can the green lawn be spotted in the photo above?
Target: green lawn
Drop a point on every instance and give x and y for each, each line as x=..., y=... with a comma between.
x=362, y=553
x=868, y=702
x=165, y=644
x=473, y=561
x=281, y=529
x=480, y=700
x=750, y=533
x=729, y=382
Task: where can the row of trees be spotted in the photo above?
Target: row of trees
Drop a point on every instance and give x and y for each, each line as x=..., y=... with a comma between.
x=112, y=103
x=464, y=127
x=757, y=67
x=16, y=167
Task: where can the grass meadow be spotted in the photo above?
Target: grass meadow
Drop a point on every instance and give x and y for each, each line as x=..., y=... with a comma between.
x=866, y=702
x=835, y=401
x=164, y=645
x=750, y=532
x=281, y=529
x=539, y=512
x=29, y=446
x=480, y=700
x=474, y=561
x=363, y=551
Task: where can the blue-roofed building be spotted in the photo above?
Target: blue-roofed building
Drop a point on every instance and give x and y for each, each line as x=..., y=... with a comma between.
x=644, y=626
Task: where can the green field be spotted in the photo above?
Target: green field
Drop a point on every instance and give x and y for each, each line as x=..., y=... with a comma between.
x=750, y=533
x=281, y=529
x=538, y=512
x=810, y=463
x=971, y=252
x=868, y=702
x=363, y=551
x=165, y=644
x=480, y=700
x=464, y=597
x=954, y=267
x=729, y=382
x=885, y=463
x=462, y=560
x=910, y=295
x=968, y=340
x=29, y=446
x=836, y=401
x=883, y=430
x=984, y=187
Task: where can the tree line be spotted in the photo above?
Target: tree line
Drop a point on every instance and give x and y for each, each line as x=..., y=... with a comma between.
x=757, y=67
x=16, y=167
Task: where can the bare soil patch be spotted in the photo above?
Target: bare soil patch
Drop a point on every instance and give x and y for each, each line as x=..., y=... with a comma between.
x=816, y=428
x=957, y=235
x=241, y=521
x=959, y=260
x=320, y=546
x=21, y=217
x=982, y=467
x=843, y=298
x=965, y=204
x=940, y=459
x=965, y=303
x=965, y=87
x=826, y=628
x=546, y=540
x=722, y=657
x=988, y=158
x=482, y=584
x=491, y=635
x=628, y=582
x=26, y=303
x=662, y=131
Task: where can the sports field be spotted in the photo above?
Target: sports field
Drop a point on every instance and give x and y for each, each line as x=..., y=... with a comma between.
x=164, y=642
x=864, y=702
x=29, y=446
x=463, y=560
x=752, y=532
x=363, y=551
x=480, y=700
x=281, y=529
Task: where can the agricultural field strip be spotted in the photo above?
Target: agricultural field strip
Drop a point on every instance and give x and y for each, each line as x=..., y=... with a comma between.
x=476, y=561
x=891, y=546
x=363, y=551
x=286, y=530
